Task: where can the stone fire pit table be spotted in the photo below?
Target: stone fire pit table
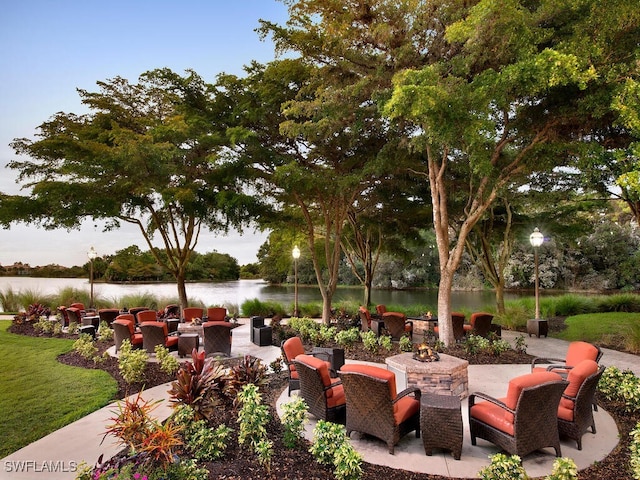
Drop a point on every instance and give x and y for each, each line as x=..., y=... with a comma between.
x=448, y=376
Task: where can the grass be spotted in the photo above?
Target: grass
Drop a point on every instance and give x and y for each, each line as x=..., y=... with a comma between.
x=41, y=395
x=605, y=328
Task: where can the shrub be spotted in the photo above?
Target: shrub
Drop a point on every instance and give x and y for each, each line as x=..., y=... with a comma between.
x=294, y=417
x=132, y=363
x=253, y=418
x=406, y=345
x=331, y=446
x=635, y=451
x=621, y=386
x=255, y=307
x=276, y=365
x=86, y=348
x=104, y=332
x=346, y=338
x=250, y=370
x=563, y=469
x=203, y=442
x=385, y=342
x=503, y=466
x=370, y=341
x=168, y=363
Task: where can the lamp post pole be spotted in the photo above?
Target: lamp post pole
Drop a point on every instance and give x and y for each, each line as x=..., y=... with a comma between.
x=296, y=256
x=92, y=254
x=536, y=239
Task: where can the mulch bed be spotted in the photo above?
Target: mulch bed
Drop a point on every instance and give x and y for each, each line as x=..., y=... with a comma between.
x=299, y=463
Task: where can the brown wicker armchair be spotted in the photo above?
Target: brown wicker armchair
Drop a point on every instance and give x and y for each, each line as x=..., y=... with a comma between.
x=216, y=314
x=374, y=407
x=457, y=322
x=397, y=325
x=124, y=329
x=157, y=333
x=577, y=352
x=190, y=313
x=575, y=413
x=217, y=337
x=479, y=324
x=525, y=420
x=108, y=315
x=324, y=395
x=74, y=315
x=368, y=323
x=147, y=316
x=291, y=348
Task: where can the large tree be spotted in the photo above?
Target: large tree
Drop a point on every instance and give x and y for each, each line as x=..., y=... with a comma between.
x=147, y=154
x=528, y=82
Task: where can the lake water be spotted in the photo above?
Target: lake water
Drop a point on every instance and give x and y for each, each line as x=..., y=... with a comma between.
x=236, y=292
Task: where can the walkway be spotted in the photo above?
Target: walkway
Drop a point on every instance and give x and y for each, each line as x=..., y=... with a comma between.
x=56, y=456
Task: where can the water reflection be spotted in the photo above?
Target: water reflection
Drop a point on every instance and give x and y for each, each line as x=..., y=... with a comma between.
x=237, y=292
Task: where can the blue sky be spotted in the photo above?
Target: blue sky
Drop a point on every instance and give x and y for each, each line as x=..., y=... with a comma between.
x=49, y=48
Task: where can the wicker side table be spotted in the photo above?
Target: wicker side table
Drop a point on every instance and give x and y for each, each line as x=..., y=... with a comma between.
x=441, y=423
x=537, y=327
x=187, y=342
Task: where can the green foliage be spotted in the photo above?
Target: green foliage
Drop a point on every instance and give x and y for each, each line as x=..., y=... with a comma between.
x=572, y=304
x=369, y=340
x=634, y=447
x=502, y=467
x=563, y=469
x=474, y=344
x=44, y=325
x=306, y=328
x=132, y=362
x=9, y=300
x=520, y=345
x=406, y=345
x=105, y=333
x=72, y=329
x=253, y=418
x=276, y=366
x=294, y=417
x=249, y=371
x=601, y=328
x=346, y=338
x=385, y=342
x=621, y=386
x=85, y=346
x=255, y=307
x=207, y=444
x=168, y=363
x=331, y=446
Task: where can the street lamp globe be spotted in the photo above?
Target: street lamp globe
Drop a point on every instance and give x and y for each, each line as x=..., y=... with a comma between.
x=296, y=252
x=536, y=238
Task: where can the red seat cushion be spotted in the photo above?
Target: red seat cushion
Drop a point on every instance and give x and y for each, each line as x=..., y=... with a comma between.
x=376, y=372
x=576, y=378
x=579, y=351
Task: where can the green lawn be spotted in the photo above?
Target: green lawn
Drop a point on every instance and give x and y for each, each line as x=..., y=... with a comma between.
x=599, y=327
x=39, y=394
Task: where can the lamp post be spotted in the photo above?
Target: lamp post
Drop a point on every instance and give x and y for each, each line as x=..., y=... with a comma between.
x=536, y=239
x=296, y=256
x=92, y=254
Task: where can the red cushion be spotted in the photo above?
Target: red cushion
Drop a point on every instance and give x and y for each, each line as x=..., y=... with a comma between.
x=579, y=351
x=517, y=384
x=319, y=365
x=577, y=376
x=405, y=408
x=335, y=396
x=493, y=415
x=376, y=372
x=171, y=341
x=292, y=348
x=136, y=339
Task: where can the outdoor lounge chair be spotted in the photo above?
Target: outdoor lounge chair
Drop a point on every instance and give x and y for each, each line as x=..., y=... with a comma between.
x=124, y=329
x=367, y=323
x=291, y=348
x=479, y=324
x=374, y=407
x=576, y=352
x=457, y=321
x=323, y=395
x=108, y=315
x=147, y=316
x=74, y=315
x=216, y=314
x=190, y=313
x=157, y=333
x=575, y=412
x=525, y=420
x=217, y=337
x=397, y=325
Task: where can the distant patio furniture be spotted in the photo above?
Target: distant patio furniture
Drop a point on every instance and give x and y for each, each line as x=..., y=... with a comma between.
x=457, y=322
x=291, y=348
x=191, y=313
x=368, y=323
x=108, y=315
x=216, y=314
x=147, y=316
x=374, y=407
x=156, y=333
x=217, y=337
x=576, y=352
x=323, y=395
x=479, y=324
x=74, y=315
x=135, y=310
x=525, y=420
x=575, y=412
x=65, y=316
x=124, y=329
x=397, y=325
x=261, y=334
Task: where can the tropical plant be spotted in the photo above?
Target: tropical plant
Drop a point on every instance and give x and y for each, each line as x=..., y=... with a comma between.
x=132, y=362
x=294, y=417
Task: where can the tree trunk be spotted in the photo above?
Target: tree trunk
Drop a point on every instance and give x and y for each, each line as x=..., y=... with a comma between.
x=500, y=298
x=182, y=289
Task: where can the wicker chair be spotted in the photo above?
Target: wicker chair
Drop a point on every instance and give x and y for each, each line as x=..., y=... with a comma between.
x=108, y=315
x=324, y=395
x=576, y=352
x=374, y=407
x=216, y=314
x=124, y=329
x=397, y=325
x=217, y=337
x=157, y=333
x=189, y=313
x=457, y=322
x=65, y=316
x=525, y=420
x=291, y=348
x=74, y=315
x=479, y=324
x=367, y=322
x=575, y=413
x=135, y=310
x=147, y=316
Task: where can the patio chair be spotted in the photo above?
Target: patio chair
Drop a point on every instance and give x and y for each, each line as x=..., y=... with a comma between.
x=397, y=325
x=217, y=337
x=323, y=395
x=170, y=311
x=575, y=412
x=576, y=352
x=374, y=407
x=216, y=314
x=108, y=315
x=74, y=315
x=367, y=323
x=457, y=321
x=147, y=316
x=479, y=324
x=135, y=310
x=523, y=421
x=291, y=348
x=157, y=333
x=124, y=329
x=189, y=313
x=65, y=316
